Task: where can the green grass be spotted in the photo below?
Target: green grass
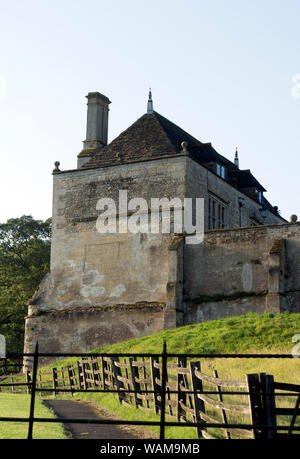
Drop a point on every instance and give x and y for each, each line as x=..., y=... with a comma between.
x=17, y=405
x=251, y=333
x=260, y=333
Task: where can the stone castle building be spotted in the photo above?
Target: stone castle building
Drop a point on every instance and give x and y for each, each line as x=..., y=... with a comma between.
x=105, y=288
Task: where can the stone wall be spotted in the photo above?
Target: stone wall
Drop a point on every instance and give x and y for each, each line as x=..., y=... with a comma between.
x=94, y=276
x=80, y=330
x=202, y=182
x=105, y=288
x=242, y=270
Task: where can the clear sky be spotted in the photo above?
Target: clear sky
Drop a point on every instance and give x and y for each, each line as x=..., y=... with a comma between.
x=220, y=69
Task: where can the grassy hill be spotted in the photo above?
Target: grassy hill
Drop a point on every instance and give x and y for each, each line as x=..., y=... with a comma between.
x=251, y=333
x=263, y=333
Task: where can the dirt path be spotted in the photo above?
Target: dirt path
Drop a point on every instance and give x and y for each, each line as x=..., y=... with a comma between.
x=74, y=409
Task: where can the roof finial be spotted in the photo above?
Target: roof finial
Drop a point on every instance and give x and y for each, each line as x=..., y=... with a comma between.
x=150, y=102
x=236, y=158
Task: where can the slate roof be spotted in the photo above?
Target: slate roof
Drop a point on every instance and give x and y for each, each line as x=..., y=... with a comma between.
x=244, y=179
x=150, y=137
x=153, y=136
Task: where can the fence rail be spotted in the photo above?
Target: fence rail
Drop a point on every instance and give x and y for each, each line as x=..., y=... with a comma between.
x=181, y=393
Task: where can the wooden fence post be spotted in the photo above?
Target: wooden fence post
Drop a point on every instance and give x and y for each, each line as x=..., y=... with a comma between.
x=54, y=373
x=62, y=370
x=79, y=368
x=83, y=366
x=181, y=380
x=268, y=405
x=164, y=378
x=155, y=374
x=255, y=403
x=135, y=385
x=28, y=380
x=118, y=384
x=70, y=376
x=94, y=375
x=127, y=394
x=197, y=387
x=146, y=385
x=40, y=384
x=223, y=412
x=104, y=367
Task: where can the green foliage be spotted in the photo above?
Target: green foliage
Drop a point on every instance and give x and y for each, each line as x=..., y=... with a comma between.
x=24, y=261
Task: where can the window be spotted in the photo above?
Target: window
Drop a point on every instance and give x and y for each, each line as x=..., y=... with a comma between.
x=216, y=214
x=213, y=215
x=258, y=194
x=221, y=170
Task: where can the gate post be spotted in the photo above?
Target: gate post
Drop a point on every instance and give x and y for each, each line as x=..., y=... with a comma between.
x=268, y=405
x=255, y=404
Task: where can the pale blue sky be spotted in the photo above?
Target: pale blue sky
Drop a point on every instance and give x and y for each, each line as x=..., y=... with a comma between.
x=220, y=69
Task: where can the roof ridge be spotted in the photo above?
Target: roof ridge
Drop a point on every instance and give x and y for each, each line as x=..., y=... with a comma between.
x=154, y=113
x=185, y=133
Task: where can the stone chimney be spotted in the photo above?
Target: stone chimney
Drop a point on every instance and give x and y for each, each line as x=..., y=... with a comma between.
x=96, y=127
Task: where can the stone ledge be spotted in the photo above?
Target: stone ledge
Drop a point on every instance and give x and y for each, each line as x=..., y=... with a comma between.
x=92, y=309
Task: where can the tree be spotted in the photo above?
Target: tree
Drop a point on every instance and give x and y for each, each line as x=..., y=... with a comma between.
x=24, y=261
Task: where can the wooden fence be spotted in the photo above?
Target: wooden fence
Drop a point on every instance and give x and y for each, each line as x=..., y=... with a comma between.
x=190, y=395
x=8, y=367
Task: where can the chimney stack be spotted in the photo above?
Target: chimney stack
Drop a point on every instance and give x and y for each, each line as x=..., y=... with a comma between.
x=97, y=126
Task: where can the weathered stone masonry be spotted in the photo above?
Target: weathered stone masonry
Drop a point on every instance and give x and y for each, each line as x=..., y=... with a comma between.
x=255, y=269
x=106, y=288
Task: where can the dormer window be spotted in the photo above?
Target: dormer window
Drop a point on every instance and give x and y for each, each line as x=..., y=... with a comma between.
x=221, y=171
x=259, y=195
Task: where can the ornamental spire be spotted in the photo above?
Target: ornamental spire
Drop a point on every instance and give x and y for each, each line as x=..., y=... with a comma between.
x=150, y=102
x=236, y=158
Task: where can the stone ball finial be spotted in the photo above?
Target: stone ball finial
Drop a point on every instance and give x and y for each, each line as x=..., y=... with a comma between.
x=184, y=146
x=57, y=169
x=293, y=218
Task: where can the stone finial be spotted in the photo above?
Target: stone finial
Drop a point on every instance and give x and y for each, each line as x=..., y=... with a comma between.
x=150, y=103
x=236, y=159
x=293, y=218
x=184, y=146
x=57, y=169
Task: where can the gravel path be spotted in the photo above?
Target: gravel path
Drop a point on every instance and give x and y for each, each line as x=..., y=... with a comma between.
x=71, y=409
